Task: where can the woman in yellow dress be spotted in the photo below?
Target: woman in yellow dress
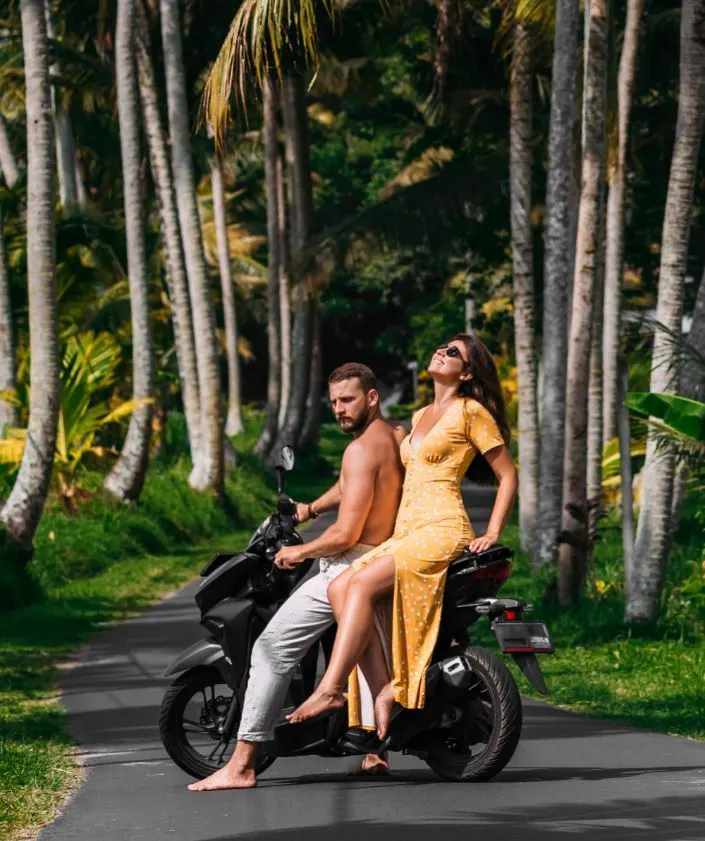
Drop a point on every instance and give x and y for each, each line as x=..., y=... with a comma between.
x=432, y=529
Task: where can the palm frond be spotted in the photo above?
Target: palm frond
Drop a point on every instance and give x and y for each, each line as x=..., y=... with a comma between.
x=683, y=416
x=259, y=35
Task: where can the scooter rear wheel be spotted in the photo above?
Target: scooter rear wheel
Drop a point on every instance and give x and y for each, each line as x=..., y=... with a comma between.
x=483, y=741
x=192, y=714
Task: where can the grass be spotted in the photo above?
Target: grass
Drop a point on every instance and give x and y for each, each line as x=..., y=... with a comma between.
x=103, y=564
x=653, y=677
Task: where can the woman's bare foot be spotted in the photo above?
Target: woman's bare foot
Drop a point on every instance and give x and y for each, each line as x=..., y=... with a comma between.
x=226, y=778
x=322, y=701
x=384, y=703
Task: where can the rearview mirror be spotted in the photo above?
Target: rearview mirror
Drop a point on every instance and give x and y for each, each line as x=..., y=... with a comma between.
x=287, y=458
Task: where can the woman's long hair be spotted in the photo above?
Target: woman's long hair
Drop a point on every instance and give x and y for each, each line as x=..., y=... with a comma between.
x=487, y=390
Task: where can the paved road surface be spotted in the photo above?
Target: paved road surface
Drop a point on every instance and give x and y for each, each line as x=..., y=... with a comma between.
x=571, y=777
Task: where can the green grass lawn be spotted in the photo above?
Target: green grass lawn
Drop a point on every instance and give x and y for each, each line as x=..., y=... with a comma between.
x=654, y=679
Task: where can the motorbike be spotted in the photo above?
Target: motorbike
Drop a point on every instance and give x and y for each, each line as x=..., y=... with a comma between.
x=471, y=722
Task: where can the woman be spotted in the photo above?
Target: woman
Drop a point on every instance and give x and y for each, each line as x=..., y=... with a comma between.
x=467, y=417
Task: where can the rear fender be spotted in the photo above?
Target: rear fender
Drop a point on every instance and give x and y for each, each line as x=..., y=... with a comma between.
x=202, y=653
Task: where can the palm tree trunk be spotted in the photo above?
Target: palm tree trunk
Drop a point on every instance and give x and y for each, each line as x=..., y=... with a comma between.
x=284, y=297
x=298, y=166
x=8, y=162
x=520, y=163
x=692, y=386
x=271, y=157
x=176, y=276
x=65, y=143
x=126, y=479
x=8, y=366
x=615, y=219
x=8, y=362
x=572, y=560
x=654, y=527
x=625, y=471
x=595, y=443
x=557, y=275
x=208, y=473
x=25, y=504
x=311, y=433
x=233, y=423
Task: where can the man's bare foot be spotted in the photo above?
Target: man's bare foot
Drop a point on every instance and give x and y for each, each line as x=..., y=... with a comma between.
x=374, y=765
x=321, y=702
x=384, y=703
x=226, y=778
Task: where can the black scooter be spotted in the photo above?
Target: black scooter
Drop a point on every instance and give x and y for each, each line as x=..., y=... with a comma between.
x=470, y=725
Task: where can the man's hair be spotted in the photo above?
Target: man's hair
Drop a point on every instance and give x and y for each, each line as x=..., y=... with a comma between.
x=354, y=370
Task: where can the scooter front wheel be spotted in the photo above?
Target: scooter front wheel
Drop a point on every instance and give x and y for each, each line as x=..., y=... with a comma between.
x=484, y=739
x=193, y=713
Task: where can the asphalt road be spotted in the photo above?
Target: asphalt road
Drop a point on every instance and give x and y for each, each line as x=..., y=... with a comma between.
x=570, y=777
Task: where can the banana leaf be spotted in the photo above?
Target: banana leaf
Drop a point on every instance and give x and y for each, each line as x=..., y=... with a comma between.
x=684, y=416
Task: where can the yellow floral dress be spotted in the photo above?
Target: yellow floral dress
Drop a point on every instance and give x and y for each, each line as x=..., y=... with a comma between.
x=432, y=529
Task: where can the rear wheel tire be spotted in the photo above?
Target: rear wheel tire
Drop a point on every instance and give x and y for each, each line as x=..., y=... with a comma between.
x=492, y=712
x=196, y=682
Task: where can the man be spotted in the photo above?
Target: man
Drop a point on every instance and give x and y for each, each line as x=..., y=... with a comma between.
x=367, y=497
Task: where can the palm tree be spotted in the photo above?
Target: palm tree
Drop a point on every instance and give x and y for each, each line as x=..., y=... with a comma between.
x=301, y=201
x=65, y=142
x=284, y=297
x=126, y=479
x=693, y=387
x=177, y=280
x=520, y=162
x=557, y=275
x=654, y=527
x=8, y=161
x=23, y=509
x=614, y=259
x=208, y=472
x=233, y=423
x=8, y=368
x=572, y=563
x=271, y=169
x=595, y=442
x=311, y=431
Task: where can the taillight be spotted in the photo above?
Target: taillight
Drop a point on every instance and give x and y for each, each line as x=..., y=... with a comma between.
x=512, y=615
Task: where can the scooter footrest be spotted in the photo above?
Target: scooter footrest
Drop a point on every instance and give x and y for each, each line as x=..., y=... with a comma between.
x=359, y=740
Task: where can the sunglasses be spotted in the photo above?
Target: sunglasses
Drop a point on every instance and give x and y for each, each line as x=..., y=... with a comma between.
x=453, y=352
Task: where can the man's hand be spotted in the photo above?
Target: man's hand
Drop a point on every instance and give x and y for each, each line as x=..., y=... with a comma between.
x=479, y=544
x=289, y=556
x=302, y=511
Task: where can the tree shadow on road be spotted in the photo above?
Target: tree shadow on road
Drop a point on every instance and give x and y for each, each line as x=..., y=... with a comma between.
x=619, y=820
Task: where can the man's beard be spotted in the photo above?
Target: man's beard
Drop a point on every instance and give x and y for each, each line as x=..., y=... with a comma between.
x=356, y=424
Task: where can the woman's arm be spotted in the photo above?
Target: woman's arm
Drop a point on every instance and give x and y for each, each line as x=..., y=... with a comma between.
x=500, y=460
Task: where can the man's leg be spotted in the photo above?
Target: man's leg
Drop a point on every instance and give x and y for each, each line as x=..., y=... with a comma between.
x=294, y=628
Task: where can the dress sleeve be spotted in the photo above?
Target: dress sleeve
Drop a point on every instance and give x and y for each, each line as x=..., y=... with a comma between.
x=482, y=429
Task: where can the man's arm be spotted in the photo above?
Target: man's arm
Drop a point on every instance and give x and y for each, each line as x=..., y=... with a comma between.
x=326, y=502
x=360, y=469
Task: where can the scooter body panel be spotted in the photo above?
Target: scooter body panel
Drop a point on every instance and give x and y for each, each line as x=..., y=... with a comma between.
x=205, y=652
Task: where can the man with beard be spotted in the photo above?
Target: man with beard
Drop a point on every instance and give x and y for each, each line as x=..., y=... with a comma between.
x=367, y=497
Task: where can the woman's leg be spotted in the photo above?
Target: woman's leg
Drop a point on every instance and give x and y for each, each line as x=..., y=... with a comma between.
x=338, y=590
x=355, y=624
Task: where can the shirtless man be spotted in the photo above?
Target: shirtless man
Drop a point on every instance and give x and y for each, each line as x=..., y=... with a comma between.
x=367, y=497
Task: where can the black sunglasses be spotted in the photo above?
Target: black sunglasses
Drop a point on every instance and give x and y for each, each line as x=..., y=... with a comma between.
x=453, y=352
